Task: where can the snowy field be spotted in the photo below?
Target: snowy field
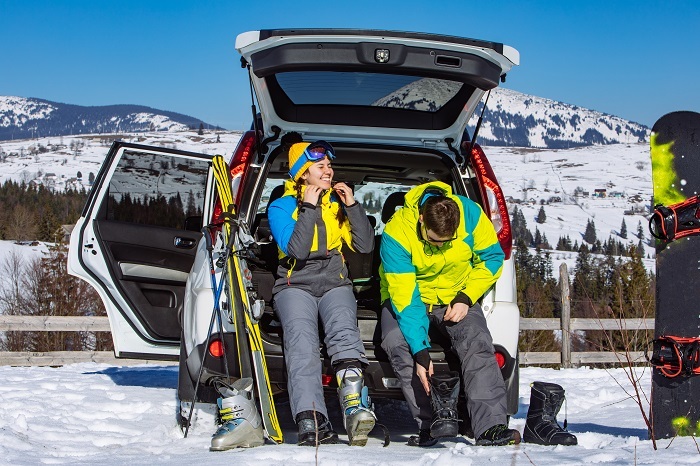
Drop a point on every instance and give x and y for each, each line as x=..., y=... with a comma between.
x=100, y=414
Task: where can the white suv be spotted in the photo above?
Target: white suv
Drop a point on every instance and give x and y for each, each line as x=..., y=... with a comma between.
x=394, y=105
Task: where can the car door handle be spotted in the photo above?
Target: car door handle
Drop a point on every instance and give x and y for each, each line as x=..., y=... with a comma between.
x=184, y=243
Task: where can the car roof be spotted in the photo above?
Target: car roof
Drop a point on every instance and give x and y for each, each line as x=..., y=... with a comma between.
x=370, y=85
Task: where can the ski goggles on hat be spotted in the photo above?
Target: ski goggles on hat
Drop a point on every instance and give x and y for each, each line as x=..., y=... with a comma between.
x=313, y=153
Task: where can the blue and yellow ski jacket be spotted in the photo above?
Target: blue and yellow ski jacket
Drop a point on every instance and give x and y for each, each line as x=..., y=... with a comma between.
x=309, y=240
x=415, y=273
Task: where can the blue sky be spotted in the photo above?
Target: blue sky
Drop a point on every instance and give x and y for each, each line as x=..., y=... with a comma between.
x=633, y=59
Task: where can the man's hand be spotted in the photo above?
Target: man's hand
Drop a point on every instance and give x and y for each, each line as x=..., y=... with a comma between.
x=456, y=312
x=424, y=375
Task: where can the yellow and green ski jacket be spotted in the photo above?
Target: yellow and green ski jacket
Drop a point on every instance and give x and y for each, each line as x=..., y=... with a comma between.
x=415, y=273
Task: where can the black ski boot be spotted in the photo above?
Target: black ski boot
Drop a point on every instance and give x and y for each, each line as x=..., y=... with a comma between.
x=499, y=435
x=314, y=429
x=542, y=426
x=444, y=391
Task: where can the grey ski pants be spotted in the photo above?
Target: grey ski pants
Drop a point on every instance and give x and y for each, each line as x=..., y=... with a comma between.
x=299, y=313
x=482, y=381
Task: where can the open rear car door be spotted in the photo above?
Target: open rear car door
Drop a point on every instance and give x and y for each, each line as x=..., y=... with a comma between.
x=136, y=240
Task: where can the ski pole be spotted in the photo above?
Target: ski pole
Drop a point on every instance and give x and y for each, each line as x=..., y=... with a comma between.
x=212, y=269
x=215, y=311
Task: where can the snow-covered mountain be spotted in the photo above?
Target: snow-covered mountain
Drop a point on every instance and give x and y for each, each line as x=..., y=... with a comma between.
x=605, y=184
x=22, y=117
x=520, y=120
x=511, y=118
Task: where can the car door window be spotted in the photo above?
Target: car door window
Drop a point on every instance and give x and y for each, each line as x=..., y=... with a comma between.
x=158, y=190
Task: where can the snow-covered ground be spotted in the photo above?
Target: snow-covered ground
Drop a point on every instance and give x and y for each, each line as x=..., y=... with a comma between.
x=100, y=414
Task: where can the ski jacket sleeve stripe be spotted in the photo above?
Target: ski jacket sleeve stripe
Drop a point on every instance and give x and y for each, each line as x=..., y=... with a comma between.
x=294, y=236
x=282, y=223
x=488, y=255
x=400, y=275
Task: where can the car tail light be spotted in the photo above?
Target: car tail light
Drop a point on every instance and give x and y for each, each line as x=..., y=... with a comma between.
x=238, y=168
x=326, y=379
x=500, y=359
x=240, y=162
x=494, y=201
x=216, y=348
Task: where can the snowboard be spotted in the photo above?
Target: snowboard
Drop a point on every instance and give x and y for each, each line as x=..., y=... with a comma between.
x=675, y=159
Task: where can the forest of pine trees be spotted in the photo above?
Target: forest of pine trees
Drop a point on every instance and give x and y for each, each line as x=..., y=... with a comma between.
x=42, y=286
x=36, y=213
x=609, y=282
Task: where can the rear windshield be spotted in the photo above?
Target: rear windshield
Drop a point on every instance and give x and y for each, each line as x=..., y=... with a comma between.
x=367, y=89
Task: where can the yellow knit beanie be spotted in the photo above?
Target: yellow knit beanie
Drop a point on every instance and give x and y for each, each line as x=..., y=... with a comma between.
x=300, y=160
x=296, y=152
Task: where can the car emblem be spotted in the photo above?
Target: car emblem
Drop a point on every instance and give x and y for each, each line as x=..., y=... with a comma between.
x=381, y=55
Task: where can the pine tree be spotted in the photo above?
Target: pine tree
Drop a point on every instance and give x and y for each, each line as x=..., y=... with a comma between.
x=590, y=236
x=541, y=216
x=538, y=238
x=201, y=129
x=623, y=230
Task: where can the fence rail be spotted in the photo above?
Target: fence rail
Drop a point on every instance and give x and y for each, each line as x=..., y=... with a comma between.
x=565, y=358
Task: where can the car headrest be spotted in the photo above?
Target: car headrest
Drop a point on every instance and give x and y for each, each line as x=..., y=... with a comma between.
x=392, y=201
x=274, y=195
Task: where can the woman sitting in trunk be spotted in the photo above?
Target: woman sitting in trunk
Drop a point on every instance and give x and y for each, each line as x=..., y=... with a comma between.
x=310, y=222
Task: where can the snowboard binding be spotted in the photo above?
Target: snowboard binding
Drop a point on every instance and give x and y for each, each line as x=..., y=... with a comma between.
x=674, y=356
x=676, y=221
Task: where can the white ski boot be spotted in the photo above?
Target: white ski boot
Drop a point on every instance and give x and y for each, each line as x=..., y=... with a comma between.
x=358, y=412
x=241, y=426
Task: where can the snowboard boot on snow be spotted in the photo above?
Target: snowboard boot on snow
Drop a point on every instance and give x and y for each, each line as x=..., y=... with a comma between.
x=542, y=426
x=241, y=425
x=499, y=435
x=314, y=429
x=358, y=412
x=444, y=391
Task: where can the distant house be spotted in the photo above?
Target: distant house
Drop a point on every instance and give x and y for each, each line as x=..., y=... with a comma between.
x=64, y=232
x=600, y=193
x=50, y=180
x=73, y=183
x=616, y=194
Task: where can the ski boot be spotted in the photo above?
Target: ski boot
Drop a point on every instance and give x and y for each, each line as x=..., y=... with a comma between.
x=499, y=435
x=314, y=429
x=542, y=426
x=358, y=412
x=241, y=425
x=444, y=391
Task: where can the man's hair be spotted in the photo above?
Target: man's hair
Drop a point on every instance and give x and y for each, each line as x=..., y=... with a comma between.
x=440, y=215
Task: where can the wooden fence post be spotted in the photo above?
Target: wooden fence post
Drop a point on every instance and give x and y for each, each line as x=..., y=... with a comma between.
x=565, y=316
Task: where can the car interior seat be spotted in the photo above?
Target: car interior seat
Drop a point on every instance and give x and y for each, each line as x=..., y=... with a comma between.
x=391, y=203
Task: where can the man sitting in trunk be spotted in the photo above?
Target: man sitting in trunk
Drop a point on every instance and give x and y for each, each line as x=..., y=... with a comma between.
x=439, y=255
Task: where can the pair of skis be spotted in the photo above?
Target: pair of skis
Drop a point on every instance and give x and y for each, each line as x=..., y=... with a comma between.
x=244, y=313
